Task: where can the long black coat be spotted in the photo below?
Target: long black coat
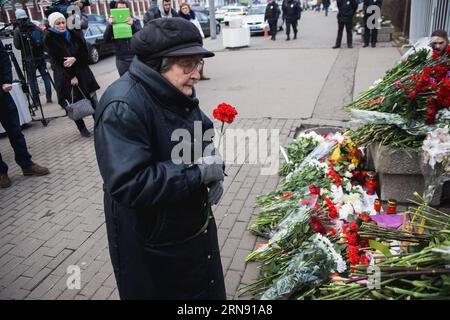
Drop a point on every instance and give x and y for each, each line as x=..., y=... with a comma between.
x=272, y=12
x=291, y=10
x=152, y=205
x=347, y=9
x=58, y=48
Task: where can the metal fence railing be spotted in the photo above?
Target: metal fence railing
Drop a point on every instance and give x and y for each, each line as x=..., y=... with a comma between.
x=428, y=15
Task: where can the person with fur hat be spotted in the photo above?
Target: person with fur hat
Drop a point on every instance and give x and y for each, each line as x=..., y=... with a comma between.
x=71, y=73
x=161, y=176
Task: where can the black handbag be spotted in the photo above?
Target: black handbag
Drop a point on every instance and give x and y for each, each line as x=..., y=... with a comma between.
x=80, y=109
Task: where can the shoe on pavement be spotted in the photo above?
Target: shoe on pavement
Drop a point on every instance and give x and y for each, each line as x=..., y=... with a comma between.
x=49, y=100
x=365, y=45
x=295, y=36
x=374, y=45
x=350, y=46
x=336, y=47
x=4, y=181
x=287, y=39
x=85, y=133
x=35, y=170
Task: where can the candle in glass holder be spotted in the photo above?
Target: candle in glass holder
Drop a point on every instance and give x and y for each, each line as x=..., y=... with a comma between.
x=371, y=183
x=377, y=205
x=391, y=206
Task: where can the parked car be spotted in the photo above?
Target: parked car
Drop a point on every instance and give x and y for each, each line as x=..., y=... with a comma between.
x=220, y=13
x=97, y=47
x=233, y=12
x=204, y=23
x=255, y=19
x=6, y=30
x=95, y=18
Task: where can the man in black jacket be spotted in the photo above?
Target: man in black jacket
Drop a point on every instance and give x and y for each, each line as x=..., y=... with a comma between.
x=124, y=54
x=271, y=16
x=160, y=170
x=371, y=32
x=162, y=10
x=291, y=14
x=9, y=119
x=347, y=10
x=29, y=39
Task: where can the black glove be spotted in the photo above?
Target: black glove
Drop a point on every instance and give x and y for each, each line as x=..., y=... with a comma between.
x=211, y=169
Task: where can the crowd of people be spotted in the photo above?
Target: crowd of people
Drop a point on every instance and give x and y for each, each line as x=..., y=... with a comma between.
x=158, y=205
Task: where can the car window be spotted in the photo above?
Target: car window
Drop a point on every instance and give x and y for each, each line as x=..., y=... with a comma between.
x=95, y=31
x=256, y=10
x=201, y=17
x=101, y=27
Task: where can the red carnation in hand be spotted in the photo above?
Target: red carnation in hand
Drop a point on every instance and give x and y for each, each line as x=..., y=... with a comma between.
x=225, y=113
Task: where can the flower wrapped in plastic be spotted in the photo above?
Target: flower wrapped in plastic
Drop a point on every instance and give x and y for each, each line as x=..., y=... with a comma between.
x=291, y=232
x=312, y=265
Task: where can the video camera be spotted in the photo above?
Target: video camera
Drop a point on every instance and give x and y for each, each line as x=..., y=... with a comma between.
x=62, y=5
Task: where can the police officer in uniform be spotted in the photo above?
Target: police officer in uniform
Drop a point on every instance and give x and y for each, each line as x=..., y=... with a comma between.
x=347, y=10
x=291, y=13
x=271, y=16
x=370, y=35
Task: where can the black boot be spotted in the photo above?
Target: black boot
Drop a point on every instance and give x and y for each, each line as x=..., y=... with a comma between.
x=287, y=39
x=295, y=36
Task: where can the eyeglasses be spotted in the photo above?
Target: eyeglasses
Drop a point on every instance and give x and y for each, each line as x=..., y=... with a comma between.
x=190, y=65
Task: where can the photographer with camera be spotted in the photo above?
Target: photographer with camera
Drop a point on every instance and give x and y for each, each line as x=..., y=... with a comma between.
x=9, y=118
x=29, y=39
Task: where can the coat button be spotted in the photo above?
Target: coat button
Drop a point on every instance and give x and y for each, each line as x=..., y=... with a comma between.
x=209, y=257
x=212, y=281
x=206, y=231
x=187, y=109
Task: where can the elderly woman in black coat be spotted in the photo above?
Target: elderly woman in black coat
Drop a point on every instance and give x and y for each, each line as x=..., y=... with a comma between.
x=69, y=55
x=161, y=230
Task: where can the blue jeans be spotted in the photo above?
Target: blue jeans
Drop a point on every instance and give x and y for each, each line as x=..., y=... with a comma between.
x=32, y=81
x=9, y=118
x=326, y=10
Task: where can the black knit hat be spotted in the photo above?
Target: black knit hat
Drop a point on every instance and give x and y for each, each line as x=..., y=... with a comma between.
x=168, y=37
